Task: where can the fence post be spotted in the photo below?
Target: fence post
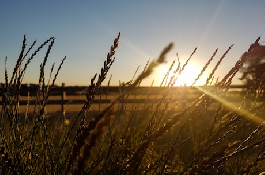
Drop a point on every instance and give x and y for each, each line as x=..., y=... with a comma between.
x=248, y=98
x=63, y=97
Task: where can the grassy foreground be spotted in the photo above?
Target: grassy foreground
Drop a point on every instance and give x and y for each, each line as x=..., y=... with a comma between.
x=209, y=135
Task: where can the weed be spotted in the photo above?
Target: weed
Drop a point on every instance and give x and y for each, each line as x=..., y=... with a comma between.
x=195, y=133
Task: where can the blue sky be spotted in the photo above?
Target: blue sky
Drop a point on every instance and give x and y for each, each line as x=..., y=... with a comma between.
x=85, y=30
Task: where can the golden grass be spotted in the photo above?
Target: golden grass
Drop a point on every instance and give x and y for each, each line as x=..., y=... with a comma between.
x=210, y=131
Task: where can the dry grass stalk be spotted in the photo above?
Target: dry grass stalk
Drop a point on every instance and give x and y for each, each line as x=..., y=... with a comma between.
x=92, y=91
x=130, y=144
x=217, y=65
x=205, y=66
x=152, y=65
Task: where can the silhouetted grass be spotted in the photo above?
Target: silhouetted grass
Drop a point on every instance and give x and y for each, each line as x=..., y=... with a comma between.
x=168, y=137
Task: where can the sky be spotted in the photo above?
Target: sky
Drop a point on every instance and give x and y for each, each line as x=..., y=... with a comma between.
x=85, y=30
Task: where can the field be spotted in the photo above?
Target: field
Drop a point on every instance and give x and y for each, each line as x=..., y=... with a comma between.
x=186, y=130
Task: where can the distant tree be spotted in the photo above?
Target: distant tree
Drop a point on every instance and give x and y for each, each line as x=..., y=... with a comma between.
x=253, y=71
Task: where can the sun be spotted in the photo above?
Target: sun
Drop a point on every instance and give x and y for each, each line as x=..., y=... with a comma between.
x=188, y=75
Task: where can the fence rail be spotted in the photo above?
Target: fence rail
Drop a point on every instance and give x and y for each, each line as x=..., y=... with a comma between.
x=63, y=91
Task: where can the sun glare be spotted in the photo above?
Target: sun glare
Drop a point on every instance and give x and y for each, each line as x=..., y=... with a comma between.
x=187, y=77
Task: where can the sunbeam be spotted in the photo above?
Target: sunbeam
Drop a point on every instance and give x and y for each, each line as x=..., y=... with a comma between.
x=230, y=105
x=212, y=21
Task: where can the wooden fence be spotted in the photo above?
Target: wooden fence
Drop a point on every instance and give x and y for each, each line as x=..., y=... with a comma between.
x=61, y=93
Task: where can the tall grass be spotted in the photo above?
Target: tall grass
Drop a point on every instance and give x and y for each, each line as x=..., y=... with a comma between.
x=207, y=135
